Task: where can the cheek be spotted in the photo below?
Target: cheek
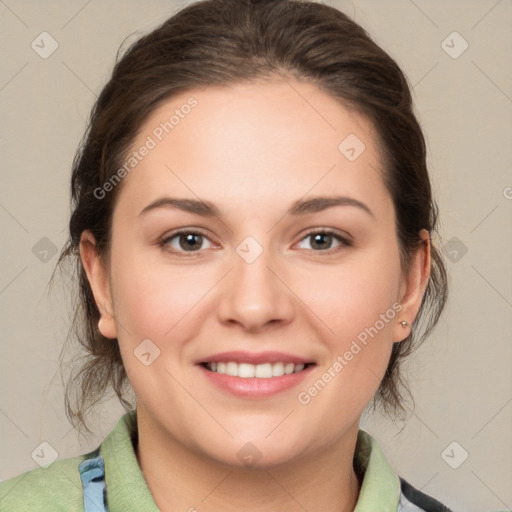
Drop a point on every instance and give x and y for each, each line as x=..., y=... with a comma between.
x=358, y=304
x=161, y=303
x=153, y=300
x=352, y=296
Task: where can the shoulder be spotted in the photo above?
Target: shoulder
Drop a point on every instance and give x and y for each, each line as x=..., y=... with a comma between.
x=413, y=500
x=57, y=486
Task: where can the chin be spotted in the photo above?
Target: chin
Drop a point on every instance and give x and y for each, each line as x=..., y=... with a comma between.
x=261, y=454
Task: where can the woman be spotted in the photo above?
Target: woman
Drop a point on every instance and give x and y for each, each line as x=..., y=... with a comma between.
x=252, y=229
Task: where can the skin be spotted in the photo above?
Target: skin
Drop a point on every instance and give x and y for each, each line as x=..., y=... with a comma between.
x=253, y=150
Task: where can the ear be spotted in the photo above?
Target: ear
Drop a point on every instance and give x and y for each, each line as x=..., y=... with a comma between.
x=413, y=287
x=98, y=278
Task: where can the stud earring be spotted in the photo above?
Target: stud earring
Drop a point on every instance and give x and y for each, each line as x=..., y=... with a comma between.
x=403, y=323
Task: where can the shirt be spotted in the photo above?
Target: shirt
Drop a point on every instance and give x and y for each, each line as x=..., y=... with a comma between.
x=109, y=479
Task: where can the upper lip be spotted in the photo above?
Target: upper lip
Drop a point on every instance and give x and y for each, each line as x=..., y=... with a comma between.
x=239, y=356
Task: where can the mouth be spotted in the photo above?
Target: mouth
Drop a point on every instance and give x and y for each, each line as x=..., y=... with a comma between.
x=255, y=375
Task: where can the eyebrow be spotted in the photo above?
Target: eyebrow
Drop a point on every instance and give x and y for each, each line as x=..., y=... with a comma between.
x=299, y=207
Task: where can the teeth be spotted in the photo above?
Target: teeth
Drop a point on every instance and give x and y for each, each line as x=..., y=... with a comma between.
x=263, y=371
x=260, y=371
x=277, y=370
x=232, y=369
x=288, y=368
x=245, y=370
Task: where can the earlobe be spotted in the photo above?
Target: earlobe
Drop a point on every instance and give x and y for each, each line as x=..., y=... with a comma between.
x=98, y=278
x=414, y=287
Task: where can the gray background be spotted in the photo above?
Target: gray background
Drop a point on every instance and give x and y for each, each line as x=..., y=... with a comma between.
x=461, y=378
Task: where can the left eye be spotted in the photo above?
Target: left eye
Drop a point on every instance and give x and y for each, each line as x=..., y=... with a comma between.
x=323, y=240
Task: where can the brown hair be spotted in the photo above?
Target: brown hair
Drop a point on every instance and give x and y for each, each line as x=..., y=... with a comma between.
x=222, y=42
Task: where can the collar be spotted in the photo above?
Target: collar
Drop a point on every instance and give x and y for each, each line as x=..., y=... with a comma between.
x=380, y=488
x=126, y=486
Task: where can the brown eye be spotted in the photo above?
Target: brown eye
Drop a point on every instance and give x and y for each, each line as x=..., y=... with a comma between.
x=324, y=241
x=186, y=241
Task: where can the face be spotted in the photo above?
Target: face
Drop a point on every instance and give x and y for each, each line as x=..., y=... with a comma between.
x=253, y=238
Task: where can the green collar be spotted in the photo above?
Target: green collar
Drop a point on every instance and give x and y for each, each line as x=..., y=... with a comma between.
x=380, y=490
x=126, y=486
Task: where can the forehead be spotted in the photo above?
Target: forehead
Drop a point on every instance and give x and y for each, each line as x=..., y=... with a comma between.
x=280, y=139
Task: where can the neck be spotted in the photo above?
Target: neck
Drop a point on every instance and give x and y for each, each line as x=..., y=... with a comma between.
x=182, y=479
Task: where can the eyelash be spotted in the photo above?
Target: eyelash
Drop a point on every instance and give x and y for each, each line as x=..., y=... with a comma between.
x=344, y=242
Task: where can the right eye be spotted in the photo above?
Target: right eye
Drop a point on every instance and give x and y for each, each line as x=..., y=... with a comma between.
x=185, y=241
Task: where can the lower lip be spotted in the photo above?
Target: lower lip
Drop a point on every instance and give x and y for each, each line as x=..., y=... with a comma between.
x=253, y=387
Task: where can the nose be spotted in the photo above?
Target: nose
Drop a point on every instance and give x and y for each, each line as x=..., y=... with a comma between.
x=255, y=296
